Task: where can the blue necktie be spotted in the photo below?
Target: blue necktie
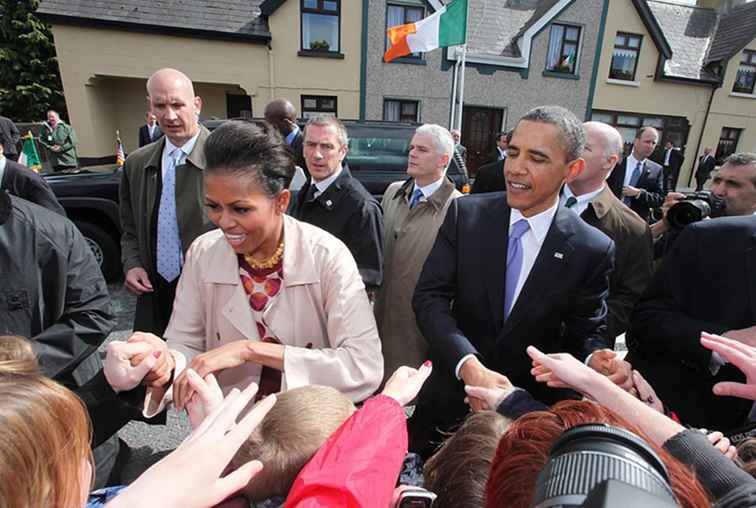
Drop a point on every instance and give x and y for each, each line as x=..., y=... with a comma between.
x=168, y=239
x=514, y=263
x=415, y=199
x=634, y=180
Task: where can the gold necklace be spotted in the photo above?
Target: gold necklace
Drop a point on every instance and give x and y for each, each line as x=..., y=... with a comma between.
x=267, y=263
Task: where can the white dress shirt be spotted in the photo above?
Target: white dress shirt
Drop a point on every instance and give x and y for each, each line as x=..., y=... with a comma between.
x=630, y=168
x=582, y=201
x=428, y=190
x=530, y=242
x=151, y=130
x=322, y=186
x=186, y=149
x=502, y=153
x=2, y=167
x=667, y=155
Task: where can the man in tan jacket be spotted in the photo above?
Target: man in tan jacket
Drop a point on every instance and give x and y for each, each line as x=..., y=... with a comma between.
x=413, y=211
x=161, y=200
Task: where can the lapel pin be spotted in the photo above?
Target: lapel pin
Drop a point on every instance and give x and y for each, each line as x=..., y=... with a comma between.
x=559, y=255
x=329, y=203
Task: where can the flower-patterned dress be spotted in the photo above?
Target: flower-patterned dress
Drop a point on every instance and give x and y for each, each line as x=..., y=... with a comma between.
x=262, y=286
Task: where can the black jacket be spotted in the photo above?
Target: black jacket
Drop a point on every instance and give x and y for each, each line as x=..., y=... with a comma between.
x=297, y=149
x=144, y=135
x=707, y=282
x=9, y=136
x=25, y=183
x=54, y=294
x=459, y=300
x=490, y=178
x=651, y=184
x=705, y=167
x=351, y=214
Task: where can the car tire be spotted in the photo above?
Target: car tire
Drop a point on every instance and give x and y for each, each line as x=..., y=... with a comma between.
x=105, y=248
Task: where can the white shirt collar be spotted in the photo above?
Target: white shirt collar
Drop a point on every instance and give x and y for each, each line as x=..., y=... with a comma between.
x=582, y=201
x=293, y=134
x=186, y=148
x=324, y=184
x=2, y=167
x=429, y=189
x=539, y=223
x=632, y=161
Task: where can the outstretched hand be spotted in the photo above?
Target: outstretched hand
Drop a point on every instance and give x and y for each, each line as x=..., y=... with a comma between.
x=190, y=477
x=118, y=369
x=619, y=372
x=405, y=383
x=492, y=396
x=561, y=370
x=741, y=356
x=206, y=398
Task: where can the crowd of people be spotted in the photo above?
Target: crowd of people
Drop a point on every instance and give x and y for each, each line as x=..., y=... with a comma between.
x=431, y=349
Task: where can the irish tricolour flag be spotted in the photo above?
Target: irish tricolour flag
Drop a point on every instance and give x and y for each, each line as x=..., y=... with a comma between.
x=445, y=27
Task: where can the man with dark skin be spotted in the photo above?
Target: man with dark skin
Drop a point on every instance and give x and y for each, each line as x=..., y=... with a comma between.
x=282, y=115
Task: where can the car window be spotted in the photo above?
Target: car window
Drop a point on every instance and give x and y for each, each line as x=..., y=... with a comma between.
x=361, y=147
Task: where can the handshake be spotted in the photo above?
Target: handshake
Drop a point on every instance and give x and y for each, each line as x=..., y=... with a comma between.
x=143, y=359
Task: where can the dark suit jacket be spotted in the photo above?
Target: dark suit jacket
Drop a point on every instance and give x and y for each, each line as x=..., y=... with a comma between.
x=459, y=300
x=25, y=183
x=633, y=260
x=707, y=282
x=144, y=135
x=651, y=184
x=675, y=159
x=9, y=136
x=705, y=167
x=490, y=178
x=350, y=213
x=297, y=149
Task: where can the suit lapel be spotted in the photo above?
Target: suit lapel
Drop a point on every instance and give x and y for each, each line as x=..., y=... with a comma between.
x=497, y=231
x=551, y=259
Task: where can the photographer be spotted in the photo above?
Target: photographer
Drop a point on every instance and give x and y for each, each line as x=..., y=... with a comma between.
x=733, y=193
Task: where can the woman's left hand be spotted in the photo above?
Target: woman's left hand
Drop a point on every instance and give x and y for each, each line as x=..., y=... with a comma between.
x=227, y=356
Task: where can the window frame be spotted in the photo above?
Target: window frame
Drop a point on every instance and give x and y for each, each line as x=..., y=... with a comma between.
x=321, y=10
x=626, y=47
x=401, y=102
x=719, y=155
x=413, y=57
x=318, y=109
x=578, y=48
x=748, y=59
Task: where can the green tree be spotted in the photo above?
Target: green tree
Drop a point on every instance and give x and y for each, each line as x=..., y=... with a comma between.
x=29, y=76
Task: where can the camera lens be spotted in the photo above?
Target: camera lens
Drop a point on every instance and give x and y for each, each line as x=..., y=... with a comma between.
x=687, y=212
x=589, y=455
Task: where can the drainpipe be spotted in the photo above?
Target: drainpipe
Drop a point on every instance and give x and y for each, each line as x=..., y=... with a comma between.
x=363, y=63
x=700, y=136
x=271, y=79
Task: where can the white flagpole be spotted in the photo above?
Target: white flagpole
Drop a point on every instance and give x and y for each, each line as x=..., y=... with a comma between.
x=461, y=88
x=453, y=116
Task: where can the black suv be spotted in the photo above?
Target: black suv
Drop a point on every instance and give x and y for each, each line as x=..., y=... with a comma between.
x=377, y=157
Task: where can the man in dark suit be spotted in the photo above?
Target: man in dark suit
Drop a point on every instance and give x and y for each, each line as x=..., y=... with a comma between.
x=9, y=137
x=457, y=137
x=512, y=269
x=150, y=132
x=706, y=164
x=282, y=115
x=638, y=181
x=499, y=151
x=590, y=197
x=707, y=283
x=490, y=178
x=335, y=201
x=671, y=160
x=21, y=181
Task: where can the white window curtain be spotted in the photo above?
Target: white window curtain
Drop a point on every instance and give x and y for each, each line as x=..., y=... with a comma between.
x=555, y=40
x=624, y=60
x=395, y=17
x=391, y=111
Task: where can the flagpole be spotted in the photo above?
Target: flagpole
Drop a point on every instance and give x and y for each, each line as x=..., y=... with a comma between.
x=462, y=88
x=454, y=94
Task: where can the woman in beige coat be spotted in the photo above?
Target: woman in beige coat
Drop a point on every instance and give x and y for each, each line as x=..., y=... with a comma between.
x=264, y=298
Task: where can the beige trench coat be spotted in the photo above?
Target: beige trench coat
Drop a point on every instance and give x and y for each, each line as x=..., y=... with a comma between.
x=322, y=314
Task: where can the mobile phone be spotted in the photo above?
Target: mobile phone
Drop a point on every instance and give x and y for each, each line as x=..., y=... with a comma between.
x=415, y=497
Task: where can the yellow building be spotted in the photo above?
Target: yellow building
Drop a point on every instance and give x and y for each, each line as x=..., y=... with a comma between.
x=687, y=70
x=239, y=53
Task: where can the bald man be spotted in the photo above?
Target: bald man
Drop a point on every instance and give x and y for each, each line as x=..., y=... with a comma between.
x=589, y=196
x=162, y=196
x=282, y=115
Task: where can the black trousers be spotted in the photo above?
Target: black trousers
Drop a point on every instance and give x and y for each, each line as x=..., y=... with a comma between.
x=153, y=310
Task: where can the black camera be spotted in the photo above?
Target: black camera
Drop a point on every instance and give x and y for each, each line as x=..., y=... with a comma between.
x=601, y=466
x=695, y=206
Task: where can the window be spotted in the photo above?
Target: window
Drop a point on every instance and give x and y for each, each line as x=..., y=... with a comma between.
x=318, y=105
x=628, y=124
x=401, y=15
x=728, y=143
x=746, y=76
x=395, y=110
x=625, y=56
x=564, y=41
x=320, y=25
